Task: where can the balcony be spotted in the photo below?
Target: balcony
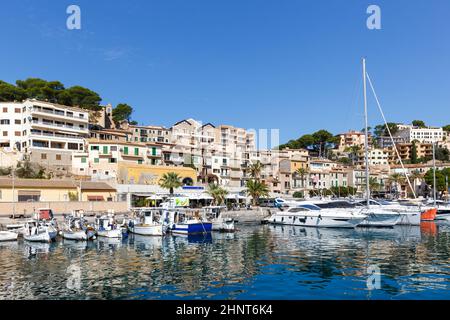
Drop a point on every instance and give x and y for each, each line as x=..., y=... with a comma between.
x=59, y=114
x=59, y=126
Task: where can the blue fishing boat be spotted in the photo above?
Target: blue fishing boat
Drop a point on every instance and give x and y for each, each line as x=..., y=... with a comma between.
x=183, y=222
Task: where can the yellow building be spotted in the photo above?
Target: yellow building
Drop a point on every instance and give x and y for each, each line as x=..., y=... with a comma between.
x=147, y=174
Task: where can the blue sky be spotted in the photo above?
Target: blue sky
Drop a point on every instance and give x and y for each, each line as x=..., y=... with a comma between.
x=287, y=64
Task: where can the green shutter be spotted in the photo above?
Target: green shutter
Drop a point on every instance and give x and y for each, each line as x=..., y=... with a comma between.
x=153, y=151
x=83, y=159
x=136, y=151
x=125, y=150
x=96, y=160
x=105, y=149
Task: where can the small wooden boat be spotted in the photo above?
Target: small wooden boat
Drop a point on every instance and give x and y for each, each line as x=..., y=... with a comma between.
x=38, y=231
x=8, y=236
x=147, y=223
x=106, y=226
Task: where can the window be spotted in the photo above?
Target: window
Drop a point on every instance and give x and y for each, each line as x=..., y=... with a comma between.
x=153, y=151
x=96, y=160
x=17, y=110
x=58, y=157
x=17, y=121
x=5, y=133
x=17, y=133
x=5, y=109
x=125, y=150
x=113, y=148
x=83, y=159
x=105, y=149
x=4, y=121
x=136, y=151
x=95, y=148
x=112, y=160
x=139, y=161
x=43, y=156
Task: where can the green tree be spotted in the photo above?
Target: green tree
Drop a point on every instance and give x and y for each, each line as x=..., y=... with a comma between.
x=414, y=158
x=419, y=123
x=381, y=130
x=84, y=98
x=170, y=181
x=302, y=172
x=255, y=170
x=29, y=170
x=446, y=128
x=257, y=190
x=374, y=185
x=353, y=151
x=9, y=92
x=218, y=193
x=122, y=112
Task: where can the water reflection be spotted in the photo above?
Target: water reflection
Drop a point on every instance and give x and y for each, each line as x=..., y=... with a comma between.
x=258, y=262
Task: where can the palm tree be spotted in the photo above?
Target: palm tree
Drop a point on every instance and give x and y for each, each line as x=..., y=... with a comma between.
x=302, y=172
x=354, y=151
x=257, y=190
x=255, y=170
x=396, y=179
x=218, y=193
x=374, y=185
x=170, y=180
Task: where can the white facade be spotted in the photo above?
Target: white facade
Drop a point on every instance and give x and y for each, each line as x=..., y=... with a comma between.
x=423, y=135
x=11, y=125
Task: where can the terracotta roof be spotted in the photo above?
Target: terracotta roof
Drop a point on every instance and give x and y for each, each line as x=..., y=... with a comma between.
x=36, y=183
x=94, y=185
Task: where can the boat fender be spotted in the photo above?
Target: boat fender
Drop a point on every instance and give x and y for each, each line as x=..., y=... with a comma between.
x=320, y=217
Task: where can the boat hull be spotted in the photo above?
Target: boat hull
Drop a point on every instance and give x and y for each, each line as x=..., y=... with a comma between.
x=380, y=220
x=8, y=236
x=116, y=233
x=74, y=235
x=41, y=237
x=410, y=218
x=316, y=221
x=191, y=228
x=156, y=230
x=429, y=215
x=223, y=226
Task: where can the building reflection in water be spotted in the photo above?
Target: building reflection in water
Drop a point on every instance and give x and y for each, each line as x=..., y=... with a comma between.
x=256, y=262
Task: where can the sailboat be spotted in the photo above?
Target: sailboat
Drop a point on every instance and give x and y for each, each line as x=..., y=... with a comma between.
x=376, y=216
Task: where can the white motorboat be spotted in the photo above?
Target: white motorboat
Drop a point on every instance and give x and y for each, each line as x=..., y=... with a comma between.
x=443, y=210
x=107, y=227
x=310, y=215
x=214, y=214
x=409, y=214
x=375, y=216
x=8, y=236
x=38, y=231
x=147, y=223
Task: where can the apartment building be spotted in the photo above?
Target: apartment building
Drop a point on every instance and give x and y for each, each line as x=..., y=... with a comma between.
x=423, y=150
x=147, y=133
x=102, y=158
x=351, y=138
x=376, y=157
x=424, y=135
x=44, y=132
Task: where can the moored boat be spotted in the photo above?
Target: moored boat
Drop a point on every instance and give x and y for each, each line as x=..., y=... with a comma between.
x=147, y=222
x=215, y=215
x=8, y=236
x=107, y=227
x=311, y=215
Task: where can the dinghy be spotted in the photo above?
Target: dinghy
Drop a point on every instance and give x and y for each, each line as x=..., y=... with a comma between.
x=214, y=214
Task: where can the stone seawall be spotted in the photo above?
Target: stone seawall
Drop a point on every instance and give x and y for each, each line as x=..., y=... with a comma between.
x=248, y=216
x=27, y=208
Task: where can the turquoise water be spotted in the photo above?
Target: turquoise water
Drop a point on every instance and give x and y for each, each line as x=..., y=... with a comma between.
x=257, y=262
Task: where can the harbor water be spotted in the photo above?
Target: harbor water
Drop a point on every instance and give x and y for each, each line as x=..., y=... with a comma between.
x=256, y=262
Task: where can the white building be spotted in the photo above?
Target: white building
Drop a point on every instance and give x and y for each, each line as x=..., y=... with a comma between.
x=44, y=132
x=423, y=135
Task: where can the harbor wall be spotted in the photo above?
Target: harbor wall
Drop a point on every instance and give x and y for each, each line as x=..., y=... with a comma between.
x=60, y=207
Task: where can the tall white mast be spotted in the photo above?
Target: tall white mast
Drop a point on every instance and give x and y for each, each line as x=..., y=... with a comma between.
x=366, y=142
x=434, y=174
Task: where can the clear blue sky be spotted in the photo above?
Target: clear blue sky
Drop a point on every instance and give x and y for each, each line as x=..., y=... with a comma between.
x=287, y=64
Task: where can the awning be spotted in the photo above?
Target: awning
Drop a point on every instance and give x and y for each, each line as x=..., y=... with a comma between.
x=95, y=198
x=29, y=193
x=154, y=197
